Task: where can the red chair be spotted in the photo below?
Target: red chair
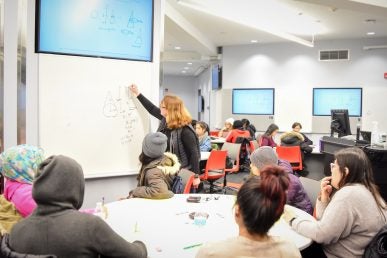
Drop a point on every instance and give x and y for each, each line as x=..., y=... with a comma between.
x=291, y=154
x=215, y=168
x=188, y=178
x=214, y=133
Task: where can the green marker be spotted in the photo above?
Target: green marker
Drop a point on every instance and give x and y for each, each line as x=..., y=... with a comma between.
x=191, y=246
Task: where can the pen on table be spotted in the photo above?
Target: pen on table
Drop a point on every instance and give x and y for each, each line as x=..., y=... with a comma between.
x=181, y=213
x=192, y=246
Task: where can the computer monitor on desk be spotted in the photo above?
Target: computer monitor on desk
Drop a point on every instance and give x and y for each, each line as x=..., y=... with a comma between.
x=340, y=122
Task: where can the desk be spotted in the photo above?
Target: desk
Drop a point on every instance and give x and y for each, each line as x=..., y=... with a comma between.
x=165, y=225
x=218, y=140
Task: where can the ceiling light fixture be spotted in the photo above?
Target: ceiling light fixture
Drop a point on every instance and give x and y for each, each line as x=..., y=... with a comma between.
x=254, y=41
x=186, y=68
x=177, y=48
x=370, y=33
x=183, y=71
x=189, y=63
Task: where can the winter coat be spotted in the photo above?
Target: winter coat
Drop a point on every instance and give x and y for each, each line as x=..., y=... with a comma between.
x=235, y=133
x=155, y=179
x=291, y=139
x=20, y=194
x=297, y=196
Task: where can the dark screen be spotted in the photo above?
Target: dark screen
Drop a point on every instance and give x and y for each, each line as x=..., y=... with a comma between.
x=340, y=122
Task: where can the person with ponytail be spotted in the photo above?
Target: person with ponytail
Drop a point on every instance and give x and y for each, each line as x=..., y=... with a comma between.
x=348, y=219
x=260, y=203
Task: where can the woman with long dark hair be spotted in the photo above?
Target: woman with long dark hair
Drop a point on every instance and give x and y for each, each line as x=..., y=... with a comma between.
x=348, y=219
x=267, y=138
x=260, y=203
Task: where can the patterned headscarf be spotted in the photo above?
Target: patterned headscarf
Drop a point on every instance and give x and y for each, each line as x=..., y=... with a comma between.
x=20, y=163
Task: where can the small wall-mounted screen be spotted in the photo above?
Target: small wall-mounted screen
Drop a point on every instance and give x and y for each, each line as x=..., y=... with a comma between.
x=253, y=101
x=120, y=29
x=325, y=99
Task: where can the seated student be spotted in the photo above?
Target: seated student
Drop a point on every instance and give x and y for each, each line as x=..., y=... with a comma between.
x=202, y=133
x=349, y=219
x=158, y=169
x=259, y=204
x=19, y=164
x=227, y=127
x=56, y=226
x=305, y=145
x=249, y=127
x=266, y=139
x=237, y=131
x=266, y=156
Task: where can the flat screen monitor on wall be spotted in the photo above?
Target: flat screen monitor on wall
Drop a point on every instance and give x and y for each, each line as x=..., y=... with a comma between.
x=325, y=99
x=340, y=122
x=253, y=101
x=216, y=77
x=100, y=28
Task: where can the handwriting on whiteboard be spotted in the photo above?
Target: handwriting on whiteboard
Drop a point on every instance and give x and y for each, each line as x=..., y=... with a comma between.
x=118, y=105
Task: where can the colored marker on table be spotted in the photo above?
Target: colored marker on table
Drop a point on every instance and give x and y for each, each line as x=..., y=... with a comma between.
x=192, y=246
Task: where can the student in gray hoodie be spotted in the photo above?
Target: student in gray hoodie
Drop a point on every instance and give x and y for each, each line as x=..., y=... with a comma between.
x=57, y=227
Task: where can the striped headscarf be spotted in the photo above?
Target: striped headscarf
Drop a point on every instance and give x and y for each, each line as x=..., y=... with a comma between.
x=20, y=163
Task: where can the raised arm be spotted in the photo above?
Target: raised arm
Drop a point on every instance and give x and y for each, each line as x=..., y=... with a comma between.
x=147, y=104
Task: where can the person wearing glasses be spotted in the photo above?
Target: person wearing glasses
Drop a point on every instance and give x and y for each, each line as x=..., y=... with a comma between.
x=348, y=219
x=175, y=123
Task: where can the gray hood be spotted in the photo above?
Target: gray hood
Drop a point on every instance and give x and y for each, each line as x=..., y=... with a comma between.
x=59, y=185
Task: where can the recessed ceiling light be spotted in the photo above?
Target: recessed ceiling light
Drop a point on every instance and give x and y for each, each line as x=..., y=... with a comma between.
x=254, y=41
x=370, y=33
x=177, y=48
x=184, y=71
x=186, y=68
x=189, y=63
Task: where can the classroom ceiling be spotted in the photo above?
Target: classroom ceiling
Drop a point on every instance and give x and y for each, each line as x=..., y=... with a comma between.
x=194, y=29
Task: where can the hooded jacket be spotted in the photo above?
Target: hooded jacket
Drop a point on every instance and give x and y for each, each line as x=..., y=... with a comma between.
x=155, y=179
x=291, y=139
x=57, y=227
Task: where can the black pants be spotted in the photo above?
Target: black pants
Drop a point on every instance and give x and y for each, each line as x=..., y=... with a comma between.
x=313, y=251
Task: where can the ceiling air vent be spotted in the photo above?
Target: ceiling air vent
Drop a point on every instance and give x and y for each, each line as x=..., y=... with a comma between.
x=331, y=55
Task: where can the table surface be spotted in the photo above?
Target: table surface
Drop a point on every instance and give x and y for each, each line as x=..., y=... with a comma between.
x=165, y=227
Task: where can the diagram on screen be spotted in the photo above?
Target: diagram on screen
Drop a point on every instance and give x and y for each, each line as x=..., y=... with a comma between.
x=123, y=108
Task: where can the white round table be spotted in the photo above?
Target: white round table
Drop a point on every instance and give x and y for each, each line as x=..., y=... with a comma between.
x=167, y=230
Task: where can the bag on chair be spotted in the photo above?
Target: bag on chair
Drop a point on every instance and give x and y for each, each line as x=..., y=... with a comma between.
x=177, y=185
x=377, y=248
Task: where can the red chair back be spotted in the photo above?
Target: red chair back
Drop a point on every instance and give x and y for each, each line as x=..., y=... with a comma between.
x=291, y=154
x=188, y=185
x=216, y=161
x=214, y=133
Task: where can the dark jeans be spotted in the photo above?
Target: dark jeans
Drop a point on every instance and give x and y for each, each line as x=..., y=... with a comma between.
x=313, y=251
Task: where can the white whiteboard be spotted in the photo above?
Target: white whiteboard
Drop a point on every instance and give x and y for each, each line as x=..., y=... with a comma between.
x=85, y=112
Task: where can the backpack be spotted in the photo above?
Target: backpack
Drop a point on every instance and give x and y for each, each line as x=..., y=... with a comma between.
x=177, y=185
x=377, y=248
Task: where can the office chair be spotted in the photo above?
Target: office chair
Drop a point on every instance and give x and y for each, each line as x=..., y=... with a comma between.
x=188, y=178
x=215, y=168
x=233, y=152
x=291, y=154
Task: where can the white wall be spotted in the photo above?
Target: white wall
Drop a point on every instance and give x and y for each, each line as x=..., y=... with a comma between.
x=186, y=88
x=203, y=82
x=293, y=70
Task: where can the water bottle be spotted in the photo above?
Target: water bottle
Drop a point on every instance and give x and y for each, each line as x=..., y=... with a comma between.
x=358, y=130
x=374, y=133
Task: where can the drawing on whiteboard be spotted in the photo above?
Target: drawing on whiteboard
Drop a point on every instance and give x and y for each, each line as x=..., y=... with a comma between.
x=122, y=108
